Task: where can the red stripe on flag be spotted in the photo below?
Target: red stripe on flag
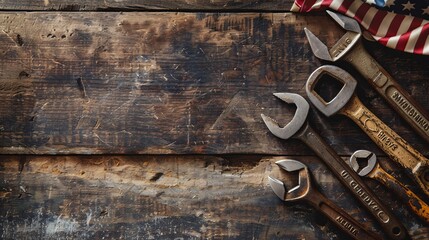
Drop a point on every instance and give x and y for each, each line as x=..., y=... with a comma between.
x=361, y=12
x=383, y=41
x=403, y=39
x=376, y=21
x=326, y=3
x=417, y=22
x=394, y=25
x=305, y=5
x=420, y=44
x=344, y=6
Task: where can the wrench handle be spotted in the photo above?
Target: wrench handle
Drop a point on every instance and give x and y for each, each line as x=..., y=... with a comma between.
x=390, y=142
x=339, y=217
x=390, y=90
x=390, y=224
x=417, y=205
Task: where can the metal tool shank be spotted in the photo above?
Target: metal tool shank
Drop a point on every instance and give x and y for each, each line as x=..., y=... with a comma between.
x=338, y=216
x=352, y=181
x=389, y=89
x=389, y=141
x=417, y=205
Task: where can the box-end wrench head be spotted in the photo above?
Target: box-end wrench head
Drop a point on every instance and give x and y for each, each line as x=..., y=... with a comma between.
x=340, y=100
x=298, y=120
x=367, y=156
x=375, y=171
x=297, y=192
x=306, y=192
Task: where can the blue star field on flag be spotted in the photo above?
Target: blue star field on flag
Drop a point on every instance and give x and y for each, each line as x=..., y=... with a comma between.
x=417, y=8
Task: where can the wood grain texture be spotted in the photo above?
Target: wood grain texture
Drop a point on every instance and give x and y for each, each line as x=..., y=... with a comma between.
x=127, y=5
x=164, y=197
x=170, y=83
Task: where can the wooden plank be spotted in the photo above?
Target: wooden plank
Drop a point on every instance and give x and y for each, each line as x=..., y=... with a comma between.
x=168, y=197
x=126, y=5
x=170, y=83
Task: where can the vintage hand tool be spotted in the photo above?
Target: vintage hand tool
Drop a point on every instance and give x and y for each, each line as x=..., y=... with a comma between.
x=348, y=104
x=307, y=192
x=350, y=49
x=372, y=169
x=300, y=129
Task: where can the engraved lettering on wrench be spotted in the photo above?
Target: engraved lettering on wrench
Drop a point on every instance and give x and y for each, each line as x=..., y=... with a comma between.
x=367, y=199
x=382, y=135
x=341, y=47
x=410, y=110
x=347, y=225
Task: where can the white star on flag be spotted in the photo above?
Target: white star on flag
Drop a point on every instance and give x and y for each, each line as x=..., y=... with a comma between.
x=426, y=11
x=390, y=3
x=408, y=6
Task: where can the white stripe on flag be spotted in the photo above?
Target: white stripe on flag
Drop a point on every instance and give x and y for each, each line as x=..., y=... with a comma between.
x=405, y=25
x=351, y=12
x=414, y=36
x=384, y=26
x=369, y=16
x=426, y=47
x=393, y=41
x=317, y=4
x=294, y=8
x=335, y=4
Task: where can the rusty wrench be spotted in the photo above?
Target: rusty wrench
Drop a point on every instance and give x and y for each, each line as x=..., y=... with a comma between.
x=348, y=104
x=350, y=49
x=300, y=129
x=307, y=192
x=372, y=169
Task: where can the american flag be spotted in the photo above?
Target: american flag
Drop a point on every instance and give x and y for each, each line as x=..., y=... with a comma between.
x=391, y=25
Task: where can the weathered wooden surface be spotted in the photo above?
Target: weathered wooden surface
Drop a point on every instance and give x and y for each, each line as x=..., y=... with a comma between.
x=170, y=83
x=164, y=197
x=124, y=5
x=166, y=82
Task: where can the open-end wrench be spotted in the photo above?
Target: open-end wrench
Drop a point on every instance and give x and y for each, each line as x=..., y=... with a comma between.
x=372, y=169
x=307, y=192
x=299, y=128
x=350, y=49
x=348, y=104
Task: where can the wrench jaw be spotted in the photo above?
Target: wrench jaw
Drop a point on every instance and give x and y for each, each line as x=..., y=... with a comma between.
x=340, y=100
x=320, y=50
x=278, y=187
x=363, y=155
x=346, y=42
x=298, y=120
x=297, y=192
x=347, y=23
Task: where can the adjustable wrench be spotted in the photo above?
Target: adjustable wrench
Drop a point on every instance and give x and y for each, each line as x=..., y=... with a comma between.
x=350, y=49
x=300, y=129
x=373, y=170
x=348, y=104
x=307, y=192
